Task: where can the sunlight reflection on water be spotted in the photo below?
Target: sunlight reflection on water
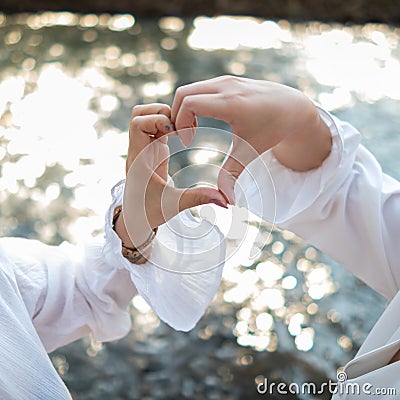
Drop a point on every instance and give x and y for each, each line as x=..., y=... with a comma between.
x=67, y=84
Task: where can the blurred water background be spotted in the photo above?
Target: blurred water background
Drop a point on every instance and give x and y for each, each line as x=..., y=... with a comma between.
x=67, y=84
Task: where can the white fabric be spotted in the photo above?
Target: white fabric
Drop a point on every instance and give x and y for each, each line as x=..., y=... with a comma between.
x=350, y=210
x=50, y=296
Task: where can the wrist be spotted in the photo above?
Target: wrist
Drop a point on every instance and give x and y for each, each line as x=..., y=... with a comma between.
x=138, y=250
x=308, y=146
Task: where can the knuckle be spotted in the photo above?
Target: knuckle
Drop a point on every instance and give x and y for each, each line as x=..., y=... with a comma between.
x=179, y=92
x=229, y=79
x=226, y=77
x=162, y=106
x=236, y=101
x=135, y=123
x=164, y=109
x=188, y=102
x=136, y=110
x=163, y=113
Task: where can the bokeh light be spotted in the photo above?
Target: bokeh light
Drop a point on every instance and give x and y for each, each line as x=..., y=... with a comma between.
x=67, y=84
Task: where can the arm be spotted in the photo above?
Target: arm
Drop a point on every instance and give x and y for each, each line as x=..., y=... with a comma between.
x=71, y=291
x=329, y=189
x=346, y=207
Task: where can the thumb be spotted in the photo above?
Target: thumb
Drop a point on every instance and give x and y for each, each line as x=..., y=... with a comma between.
x=196, y=196
x=230, y=171
x=174, y=200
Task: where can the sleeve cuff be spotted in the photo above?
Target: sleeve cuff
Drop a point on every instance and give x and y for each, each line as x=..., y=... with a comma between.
x=277, y=194
x=184, y=270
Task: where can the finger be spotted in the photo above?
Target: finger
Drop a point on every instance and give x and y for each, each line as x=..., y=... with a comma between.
x=196, y=196
x=162, y=157
x=142, y=132
x=145, y=127
x=228, y=175
x=176, y=200
x=186, y=135
x=241, y=155
x=208, y=86
x=202, y=105
x=153, y=108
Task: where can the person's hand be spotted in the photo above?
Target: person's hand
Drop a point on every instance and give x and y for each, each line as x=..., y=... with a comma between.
x=265, y=114
x=149, y=201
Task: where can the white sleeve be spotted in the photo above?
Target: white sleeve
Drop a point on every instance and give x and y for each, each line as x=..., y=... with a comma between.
x=70, y=291
x=347, y=207
x=184, y=270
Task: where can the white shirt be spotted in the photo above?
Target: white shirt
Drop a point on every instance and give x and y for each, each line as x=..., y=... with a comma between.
x=50, y=296
x=350, y=210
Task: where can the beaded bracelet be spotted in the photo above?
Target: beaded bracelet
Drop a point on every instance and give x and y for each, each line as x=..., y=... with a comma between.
x=136, y=255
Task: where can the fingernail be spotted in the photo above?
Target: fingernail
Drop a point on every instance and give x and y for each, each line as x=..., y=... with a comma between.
x=228, y=201
x=183, y=138
x=219, y=203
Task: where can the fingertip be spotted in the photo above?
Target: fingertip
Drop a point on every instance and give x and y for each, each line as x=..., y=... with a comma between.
x=228, y=194
x=185, y=139
x=231, y=199
x=186, y=136
x=215, y=196
x=218, y=203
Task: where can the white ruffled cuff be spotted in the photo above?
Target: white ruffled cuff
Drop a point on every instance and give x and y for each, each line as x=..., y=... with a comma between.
x=278, y=194
x=184, y=270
